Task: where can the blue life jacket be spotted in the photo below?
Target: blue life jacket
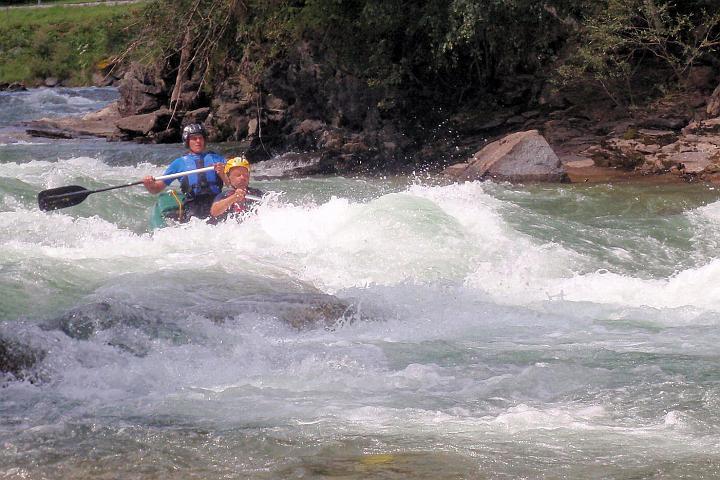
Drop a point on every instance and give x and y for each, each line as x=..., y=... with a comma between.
x=199, y=184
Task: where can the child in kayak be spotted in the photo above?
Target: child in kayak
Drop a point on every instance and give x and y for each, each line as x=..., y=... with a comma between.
x=233, y=201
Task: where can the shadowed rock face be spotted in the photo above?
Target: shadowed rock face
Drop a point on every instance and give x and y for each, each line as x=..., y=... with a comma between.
x=142, y=90
x=17, y=360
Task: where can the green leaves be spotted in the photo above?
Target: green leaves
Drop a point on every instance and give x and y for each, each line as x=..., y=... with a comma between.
x=444, y=52
x=624, y=39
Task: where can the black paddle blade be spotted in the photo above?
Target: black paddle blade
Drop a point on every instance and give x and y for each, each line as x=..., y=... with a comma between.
x=62, y=197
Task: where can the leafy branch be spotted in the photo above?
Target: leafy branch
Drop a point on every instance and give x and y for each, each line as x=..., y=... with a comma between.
x=619, y=41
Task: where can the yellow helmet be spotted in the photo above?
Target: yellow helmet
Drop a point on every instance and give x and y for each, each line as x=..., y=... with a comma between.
x=236, y=162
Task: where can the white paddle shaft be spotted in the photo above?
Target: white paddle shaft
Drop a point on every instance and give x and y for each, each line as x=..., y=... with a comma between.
x=184, y=174
x=198, y=170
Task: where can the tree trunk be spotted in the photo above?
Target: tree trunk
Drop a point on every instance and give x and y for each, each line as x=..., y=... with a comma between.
x=183, y=70
x=713, y=104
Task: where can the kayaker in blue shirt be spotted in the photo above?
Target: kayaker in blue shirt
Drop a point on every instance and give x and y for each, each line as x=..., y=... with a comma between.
x=200, y=189
x=233, y=201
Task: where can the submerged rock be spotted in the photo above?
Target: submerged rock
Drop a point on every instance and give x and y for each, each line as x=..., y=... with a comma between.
x=117, y=324
x=17, y=359
x=317, y=311
x=301, y=311
x=86, y=321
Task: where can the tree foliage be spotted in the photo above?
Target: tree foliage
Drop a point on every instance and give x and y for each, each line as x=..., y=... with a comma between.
x=625, y=40
x=444, y=51
x=434, y=47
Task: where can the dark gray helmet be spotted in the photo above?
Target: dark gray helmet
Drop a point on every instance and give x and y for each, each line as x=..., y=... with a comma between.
x=193, y=129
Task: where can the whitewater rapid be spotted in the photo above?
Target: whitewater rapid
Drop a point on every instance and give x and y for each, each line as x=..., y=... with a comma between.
x=453, y=234
x=398, y=327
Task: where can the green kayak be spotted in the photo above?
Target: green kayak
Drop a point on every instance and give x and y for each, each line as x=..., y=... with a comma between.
x=166, y=207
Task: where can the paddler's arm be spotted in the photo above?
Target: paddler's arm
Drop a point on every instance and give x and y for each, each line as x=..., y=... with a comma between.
x=220, y=171
x=220, y=206
x=153, y=186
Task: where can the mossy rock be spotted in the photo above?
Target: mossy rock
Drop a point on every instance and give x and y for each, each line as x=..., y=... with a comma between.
x=630, y=134
x=630, y=162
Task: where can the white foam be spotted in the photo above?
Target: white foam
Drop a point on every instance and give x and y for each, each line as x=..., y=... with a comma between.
x=530, y=283
x=48, y=174
x=425, y=235
x=710, y=211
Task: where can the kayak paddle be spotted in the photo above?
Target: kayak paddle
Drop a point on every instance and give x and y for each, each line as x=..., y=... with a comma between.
x=63, y=197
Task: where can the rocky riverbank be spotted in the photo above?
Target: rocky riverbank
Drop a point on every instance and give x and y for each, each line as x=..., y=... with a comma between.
x=337, y=122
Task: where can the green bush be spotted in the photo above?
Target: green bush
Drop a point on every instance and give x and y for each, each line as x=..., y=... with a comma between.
x=627, y=46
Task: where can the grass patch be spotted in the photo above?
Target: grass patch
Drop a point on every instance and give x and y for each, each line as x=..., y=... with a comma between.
x=34, y=3
x=66, y=43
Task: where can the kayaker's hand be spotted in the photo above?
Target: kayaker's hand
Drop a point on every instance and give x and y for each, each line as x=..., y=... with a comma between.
x=239, y=194
x=220, y=172
x=148, y=181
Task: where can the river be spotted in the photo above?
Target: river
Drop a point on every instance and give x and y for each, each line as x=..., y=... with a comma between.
x=451, y=331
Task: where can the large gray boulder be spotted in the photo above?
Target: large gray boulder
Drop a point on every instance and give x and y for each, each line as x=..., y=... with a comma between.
x=519, y=157
x=144, y=124
x=98, y=124
x=142, y=90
